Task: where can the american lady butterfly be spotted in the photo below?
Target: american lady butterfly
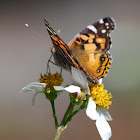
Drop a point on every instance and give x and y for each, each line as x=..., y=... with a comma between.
x=87, y=51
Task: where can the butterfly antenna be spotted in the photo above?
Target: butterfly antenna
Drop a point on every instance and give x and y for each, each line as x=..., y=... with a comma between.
x=50, y=29
x=33, y=31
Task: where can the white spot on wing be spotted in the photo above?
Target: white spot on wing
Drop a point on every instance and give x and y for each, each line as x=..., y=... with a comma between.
x=107, y=27
x=92, y=28
x=106, y=24
x=103, y=31
x=101, y=21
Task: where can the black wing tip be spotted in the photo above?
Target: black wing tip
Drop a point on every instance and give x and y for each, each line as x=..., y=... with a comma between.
x=49, y=28
x=46, y=22
x=111, y=22
x=109, y=18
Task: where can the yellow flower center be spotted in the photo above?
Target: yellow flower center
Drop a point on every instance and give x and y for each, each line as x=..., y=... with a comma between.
x=100, y=95
x=51, y=80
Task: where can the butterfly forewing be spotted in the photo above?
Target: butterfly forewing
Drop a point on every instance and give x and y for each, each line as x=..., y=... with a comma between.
x=91, y=48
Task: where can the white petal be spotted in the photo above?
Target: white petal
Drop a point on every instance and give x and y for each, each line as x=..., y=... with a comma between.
x=88, y=90
x=70, y=88
x=100, y=81
x=73, y=89
x=103, y=127
x=35, y=86
x=91, y=109
x=33, y=99
x=106, y=114
x=58, y=88
x=79, y=78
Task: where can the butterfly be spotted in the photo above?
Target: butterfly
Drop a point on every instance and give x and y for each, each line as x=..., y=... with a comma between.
x=87, y=51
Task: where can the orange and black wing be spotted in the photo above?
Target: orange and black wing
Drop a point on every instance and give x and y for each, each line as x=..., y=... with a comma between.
x=91, y=48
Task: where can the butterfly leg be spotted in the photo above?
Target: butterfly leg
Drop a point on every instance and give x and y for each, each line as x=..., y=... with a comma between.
x=48, y=66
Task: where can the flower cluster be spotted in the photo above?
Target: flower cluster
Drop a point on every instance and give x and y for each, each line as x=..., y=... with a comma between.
x=93, y=97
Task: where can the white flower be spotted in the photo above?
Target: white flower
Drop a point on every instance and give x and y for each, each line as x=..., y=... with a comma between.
x=101, y=115
x=35, y=86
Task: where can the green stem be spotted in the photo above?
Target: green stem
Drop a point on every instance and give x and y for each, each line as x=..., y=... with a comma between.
x=58, y=133
x=60, y=129
x=69, y=111
x=71, y=115
x=54, y=114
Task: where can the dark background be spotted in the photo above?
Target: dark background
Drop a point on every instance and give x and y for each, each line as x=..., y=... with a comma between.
x=24, y=53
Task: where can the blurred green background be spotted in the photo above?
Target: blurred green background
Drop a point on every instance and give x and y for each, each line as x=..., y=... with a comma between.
x=24, y=53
